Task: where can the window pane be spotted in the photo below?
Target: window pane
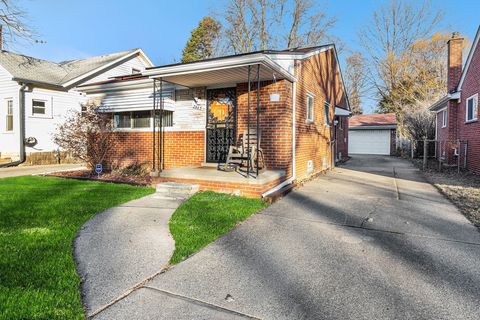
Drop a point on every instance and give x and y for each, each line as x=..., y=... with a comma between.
x=141, y=119
x=327, y=113
x=475, y=108
x=9, y=125
x=309, y=108
x=167, y=119
x=9, y=116
x=469, y=109
x=38, y=107
x=121, y=120
x=9, y=106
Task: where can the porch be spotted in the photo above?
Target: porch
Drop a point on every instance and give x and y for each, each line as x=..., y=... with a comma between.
x=210, y=178
x=247, y=106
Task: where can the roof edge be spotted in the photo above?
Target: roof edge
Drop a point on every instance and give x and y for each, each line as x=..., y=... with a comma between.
x=72, y=82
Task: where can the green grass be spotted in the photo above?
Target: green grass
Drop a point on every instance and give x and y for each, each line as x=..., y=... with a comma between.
x=39, y=218
x=205, y=217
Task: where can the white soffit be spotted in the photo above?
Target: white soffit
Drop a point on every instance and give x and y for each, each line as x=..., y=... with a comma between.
x=219, y=76
x=342, y=112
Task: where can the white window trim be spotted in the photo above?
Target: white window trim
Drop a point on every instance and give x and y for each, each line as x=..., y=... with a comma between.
x=475, y=112
x=40, y=115
x=6, y=100
x=444, y=118
x=136, y=69
x=48, y=107
x=310, y=96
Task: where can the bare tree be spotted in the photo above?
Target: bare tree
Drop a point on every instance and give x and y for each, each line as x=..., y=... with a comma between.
x=356, y=81
x=87, y=135
x=260, y=24
x=389, y=39
x=13, y=22
x=419, y=122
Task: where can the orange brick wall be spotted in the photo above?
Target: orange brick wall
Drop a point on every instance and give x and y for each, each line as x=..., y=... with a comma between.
x=275, y=121
x=318, y=75
x=182, y=148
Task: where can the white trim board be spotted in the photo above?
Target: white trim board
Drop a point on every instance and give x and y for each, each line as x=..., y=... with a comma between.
x=469, y=59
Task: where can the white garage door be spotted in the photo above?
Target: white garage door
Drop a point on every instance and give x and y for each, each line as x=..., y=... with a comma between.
x=369, y=142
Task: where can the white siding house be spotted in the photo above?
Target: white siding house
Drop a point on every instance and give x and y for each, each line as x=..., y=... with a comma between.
x=36, y=95
x=132, y=97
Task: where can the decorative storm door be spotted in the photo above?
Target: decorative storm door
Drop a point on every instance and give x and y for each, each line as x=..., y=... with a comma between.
x=221, y=121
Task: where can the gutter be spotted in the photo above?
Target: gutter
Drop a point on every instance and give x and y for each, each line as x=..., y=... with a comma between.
x=41, y=84
x=21, y=112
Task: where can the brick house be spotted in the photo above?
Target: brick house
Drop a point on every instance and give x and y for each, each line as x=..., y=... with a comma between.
x=456, y=121
x=373, y=134
x=296, y=100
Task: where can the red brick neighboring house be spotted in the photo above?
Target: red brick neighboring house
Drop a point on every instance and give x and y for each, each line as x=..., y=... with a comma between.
x=457, y=114
x=301, y=112
x=373, y=134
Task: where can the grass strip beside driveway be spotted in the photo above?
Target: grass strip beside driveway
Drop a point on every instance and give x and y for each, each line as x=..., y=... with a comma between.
x=39, y=218
x=463, y=189
x=205, y=217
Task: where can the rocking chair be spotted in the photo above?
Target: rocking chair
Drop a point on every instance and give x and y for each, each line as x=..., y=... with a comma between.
x=238, y=155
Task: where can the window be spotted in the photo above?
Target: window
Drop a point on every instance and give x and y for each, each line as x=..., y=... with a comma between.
x=9, y=117
x=167, y=119
x=472, y=108
x=122, y=120
x=444, y=118
x=140, y=119
x=326, y=107
x=38, y=107
x=135, y=71
x=309, y=107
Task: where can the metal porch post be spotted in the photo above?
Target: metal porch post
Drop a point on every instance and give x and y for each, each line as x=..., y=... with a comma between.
x=154, y=117
x=258, y=116
x=248, y=124
x=160, y=128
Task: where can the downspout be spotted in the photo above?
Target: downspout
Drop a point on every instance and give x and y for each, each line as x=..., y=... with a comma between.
x=21, y=112
x=292, y=178
x=294, y=131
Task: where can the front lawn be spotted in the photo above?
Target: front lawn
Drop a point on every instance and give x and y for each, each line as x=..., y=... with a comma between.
x=39, y=218
x=205, y=217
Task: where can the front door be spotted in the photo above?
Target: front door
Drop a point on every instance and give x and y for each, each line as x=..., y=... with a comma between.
x=221, y=120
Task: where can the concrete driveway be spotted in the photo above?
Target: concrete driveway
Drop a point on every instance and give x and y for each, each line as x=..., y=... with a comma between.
x=40, y=169
x=370, y=240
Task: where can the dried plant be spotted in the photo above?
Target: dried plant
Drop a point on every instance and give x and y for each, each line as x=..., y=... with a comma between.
x=87, y=135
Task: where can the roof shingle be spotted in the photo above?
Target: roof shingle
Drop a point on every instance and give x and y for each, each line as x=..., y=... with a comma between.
x=48, y=72
x=386, y=119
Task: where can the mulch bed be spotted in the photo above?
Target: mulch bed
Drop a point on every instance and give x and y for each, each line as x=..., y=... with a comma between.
x=139, y=180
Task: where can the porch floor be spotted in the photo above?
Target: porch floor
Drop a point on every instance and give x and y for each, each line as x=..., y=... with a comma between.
x=213, y=174
x=210, y=178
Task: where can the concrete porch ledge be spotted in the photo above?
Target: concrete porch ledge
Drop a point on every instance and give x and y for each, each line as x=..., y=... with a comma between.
x=212, y=174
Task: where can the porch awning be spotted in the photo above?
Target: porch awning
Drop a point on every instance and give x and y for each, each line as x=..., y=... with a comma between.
x=342, y=112
x=220, y=71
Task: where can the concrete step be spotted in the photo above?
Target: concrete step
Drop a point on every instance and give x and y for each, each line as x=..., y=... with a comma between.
x=177, y=190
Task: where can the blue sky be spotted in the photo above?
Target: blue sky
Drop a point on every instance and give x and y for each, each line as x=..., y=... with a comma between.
x=75, y=29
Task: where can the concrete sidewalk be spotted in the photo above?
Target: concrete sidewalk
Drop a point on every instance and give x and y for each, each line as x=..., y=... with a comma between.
x=40, y=169
x=122, y=247
x=370, y=240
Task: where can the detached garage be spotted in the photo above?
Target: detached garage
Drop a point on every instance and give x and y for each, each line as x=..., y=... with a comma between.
x=372, y=134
